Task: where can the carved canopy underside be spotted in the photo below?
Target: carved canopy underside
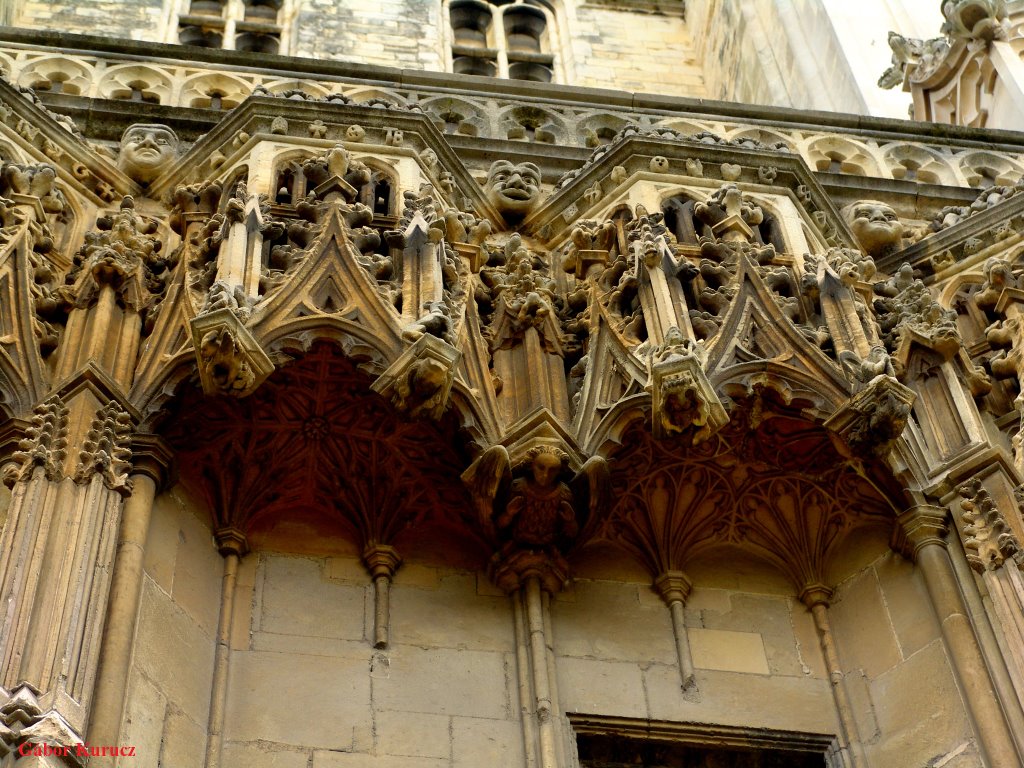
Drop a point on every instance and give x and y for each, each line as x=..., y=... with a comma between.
x=314, y=443
x=779, y=490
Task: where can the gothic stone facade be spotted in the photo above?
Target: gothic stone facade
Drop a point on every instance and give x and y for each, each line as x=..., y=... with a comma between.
x=404, y=420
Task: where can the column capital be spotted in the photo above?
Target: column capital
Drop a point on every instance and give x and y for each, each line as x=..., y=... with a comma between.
x=816, y=594
x=919, y=527
x=231, y=541
x=673, y=586
x=151, y=456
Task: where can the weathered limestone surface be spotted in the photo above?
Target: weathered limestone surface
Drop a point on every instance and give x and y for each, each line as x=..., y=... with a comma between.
x=365, y=416
x=605, y=51
x=169, y=687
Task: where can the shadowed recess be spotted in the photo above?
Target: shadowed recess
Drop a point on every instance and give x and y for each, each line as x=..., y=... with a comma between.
x=314, y=444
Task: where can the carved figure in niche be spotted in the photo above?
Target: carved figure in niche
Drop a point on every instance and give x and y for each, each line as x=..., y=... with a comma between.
x=535, y=516
x=876, y=226
x=513, y=189
x=539, y=510
x=147, y=150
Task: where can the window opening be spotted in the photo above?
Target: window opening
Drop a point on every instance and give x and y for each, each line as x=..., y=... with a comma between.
x=501, y=39
x=242, y=25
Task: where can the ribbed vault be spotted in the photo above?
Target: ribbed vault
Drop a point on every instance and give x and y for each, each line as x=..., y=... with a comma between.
x=779, y=490
x=315, y=443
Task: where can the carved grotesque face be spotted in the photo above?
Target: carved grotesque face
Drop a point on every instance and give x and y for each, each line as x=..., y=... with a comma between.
x=146, y=151
x=875, y=225
x=659, y=164
x=355, y=133
x=513, y=188
x=546, y=468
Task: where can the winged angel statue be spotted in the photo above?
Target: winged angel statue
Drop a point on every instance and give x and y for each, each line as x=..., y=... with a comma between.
x=535, y=511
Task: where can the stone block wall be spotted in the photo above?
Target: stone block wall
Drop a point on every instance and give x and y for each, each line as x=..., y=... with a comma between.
x=393, y=33
x=307, y=685
x=130, y=19
x=634, y=51
x=784, y=54
x=751, y=642
x=895, y=661
x=168, y=700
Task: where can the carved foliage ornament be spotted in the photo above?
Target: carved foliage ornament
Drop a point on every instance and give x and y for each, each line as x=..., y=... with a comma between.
x=46, y=442
x=988, y=541
x=107, y=449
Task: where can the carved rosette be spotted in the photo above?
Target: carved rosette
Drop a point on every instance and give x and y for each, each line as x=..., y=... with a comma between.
x=871, y=421
x=419, y=382
x=231, y=361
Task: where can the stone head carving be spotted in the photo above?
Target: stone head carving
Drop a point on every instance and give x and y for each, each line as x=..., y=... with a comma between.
x=146, y=151
x=513, y=188
x=546, y=465
x=875, y=225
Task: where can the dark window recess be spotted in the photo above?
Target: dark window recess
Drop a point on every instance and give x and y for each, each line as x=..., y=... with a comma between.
x=619, y=752
x=256, y=31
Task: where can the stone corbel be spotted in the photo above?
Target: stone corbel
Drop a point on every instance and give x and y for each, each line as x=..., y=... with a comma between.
x=419, y=382
x=873, y=418
x=682, y=398
x=231, y=361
